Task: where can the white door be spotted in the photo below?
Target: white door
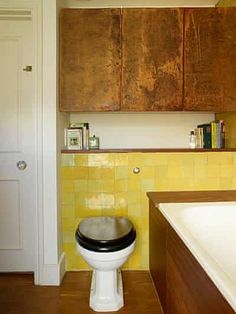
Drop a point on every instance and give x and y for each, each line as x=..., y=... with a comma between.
x=17, y=142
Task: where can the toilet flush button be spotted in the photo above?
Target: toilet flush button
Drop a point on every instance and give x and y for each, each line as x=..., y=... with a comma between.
x=136, y=170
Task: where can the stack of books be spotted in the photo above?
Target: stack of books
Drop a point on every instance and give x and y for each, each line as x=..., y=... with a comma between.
x=210, y=135
x=77, y=136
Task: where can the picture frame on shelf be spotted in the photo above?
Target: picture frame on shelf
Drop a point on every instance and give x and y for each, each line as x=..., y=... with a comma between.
x=74, y=138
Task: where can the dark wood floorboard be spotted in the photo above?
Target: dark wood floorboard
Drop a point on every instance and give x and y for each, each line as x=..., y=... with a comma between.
x=18, y=295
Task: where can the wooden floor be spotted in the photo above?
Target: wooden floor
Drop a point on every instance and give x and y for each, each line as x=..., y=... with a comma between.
x=18, y=295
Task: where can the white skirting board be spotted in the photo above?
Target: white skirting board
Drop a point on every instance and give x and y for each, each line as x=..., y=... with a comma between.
x=52, y=274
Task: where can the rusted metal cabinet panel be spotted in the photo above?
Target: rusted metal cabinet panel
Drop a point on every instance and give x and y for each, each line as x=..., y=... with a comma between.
x=210, y=59
x=152, y=55
x=90, y=59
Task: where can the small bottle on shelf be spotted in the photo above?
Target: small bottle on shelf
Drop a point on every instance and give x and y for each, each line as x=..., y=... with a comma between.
x=192, y=140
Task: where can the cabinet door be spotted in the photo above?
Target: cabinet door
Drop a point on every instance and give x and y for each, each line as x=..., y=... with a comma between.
x=210, y=59
x=90, y=59
x=152, y=50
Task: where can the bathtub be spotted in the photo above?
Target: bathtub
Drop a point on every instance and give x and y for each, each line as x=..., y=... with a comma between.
x=209, y=232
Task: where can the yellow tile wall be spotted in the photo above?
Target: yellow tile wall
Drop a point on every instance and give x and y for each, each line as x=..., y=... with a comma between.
x=104, y=184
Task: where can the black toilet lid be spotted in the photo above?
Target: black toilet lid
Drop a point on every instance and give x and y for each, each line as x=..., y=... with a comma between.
x=105, y=234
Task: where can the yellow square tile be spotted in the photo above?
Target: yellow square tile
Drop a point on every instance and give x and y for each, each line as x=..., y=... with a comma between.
x=161, y=171
x=70, y=248
x=94, y=186
x=68, y=173
x=212, y=184
x=226, y=158
x=68, y=160
x=200, y=159
x=180, y=184
x=121, y=200
x=200, y=171
x=200, y=184
x=68, y=211
x=134, y=185
x=121, y=186
x=226, y=183
x=213, y=170
x=226, y=170
x=107, y=200
x=69, y=237
x=109, y=211
x=121, y=172
x=80, y=199
x=213, y=158
x=234, y=184
x=121, y=159
x=144, y=203
x=69, y=225
x=135, y=159
x=107, y=173
x=94, y=173
x=68, y=198
x=101, y=160
x=149, y=159
x=71, y=263
x=175, y=159
x=96, y=160
x=174, y=172
x=147, y=185
x=107, y=186
x=162, y=159
x=134, y=261
x=162, y=184
x=147, y=172
x=94, y=201
x=80, y=185
x=187, y=159
x=121, y=212
x=234, y=158
x=134, y=197
x=67, y=186
x=188, y=171
x=85, y=212
x=81, y=264
x=134, y=210
x=81, y=160
x=80, y=173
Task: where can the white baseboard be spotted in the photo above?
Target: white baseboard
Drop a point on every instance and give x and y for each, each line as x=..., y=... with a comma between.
x=52, y=274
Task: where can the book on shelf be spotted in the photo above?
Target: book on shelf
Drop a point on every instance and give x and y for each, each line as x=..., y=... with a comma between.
x=206, y=134
x=199, y=137
x=211, y=135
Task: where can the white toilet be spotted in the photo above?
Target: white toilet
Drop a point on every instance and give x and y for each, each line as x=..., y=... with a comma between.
x=105, y=243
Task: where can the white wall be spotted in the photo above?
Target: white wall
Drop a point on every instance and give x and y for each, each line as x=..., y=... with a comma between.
x=143, y=130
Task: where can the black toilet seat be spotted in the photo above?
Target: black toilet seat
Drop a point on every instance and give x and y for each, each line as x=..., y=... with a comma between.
x=105, y=234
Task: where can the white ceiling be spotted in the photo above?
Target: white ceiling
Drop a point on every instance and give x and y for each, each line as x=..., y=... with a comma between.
x=140, y=3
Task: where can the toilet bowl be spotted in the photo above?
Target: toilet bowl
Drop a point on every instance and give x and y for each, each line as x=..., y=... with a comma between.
x=105, y=243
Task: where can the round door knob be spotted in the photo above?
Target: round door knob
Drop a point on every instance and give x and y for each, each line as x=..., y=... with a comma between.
x=21, y=165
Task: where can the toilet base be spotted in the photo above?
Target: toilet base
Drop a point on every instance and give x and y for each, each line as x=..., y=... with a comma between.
x=106, y=292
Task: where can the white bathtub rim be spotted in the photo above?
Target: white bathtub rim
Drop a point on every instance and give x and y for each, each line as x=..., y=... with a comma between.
x=221, y=279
